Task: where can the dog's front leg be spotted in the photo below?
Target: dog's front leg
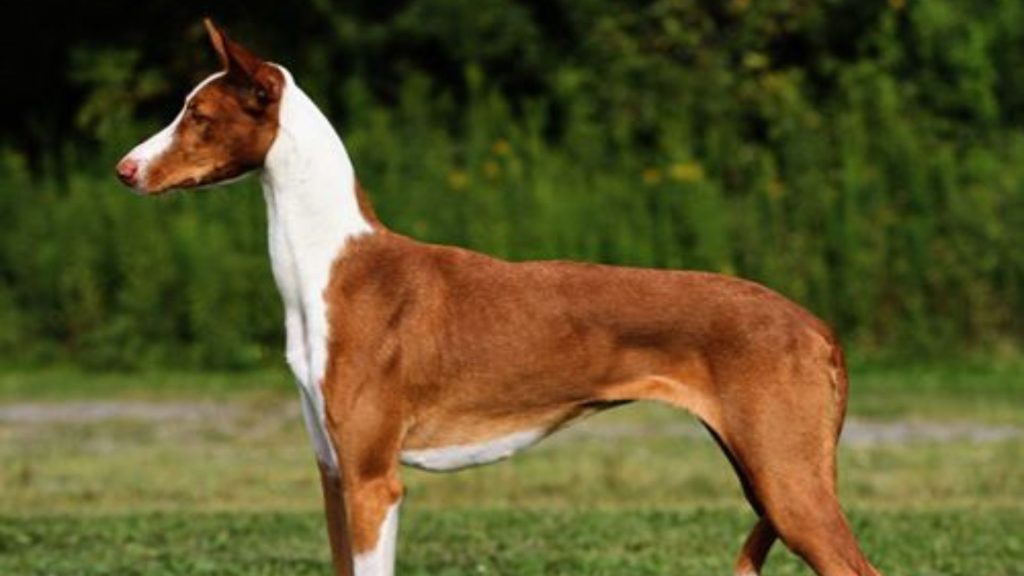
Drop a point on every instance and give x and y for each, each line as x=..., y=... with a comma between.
x=373, y=505
x=300, y=356
x=366, y=434
x=337, y=521
x=362, y=523
x=362, y=506
x=311, y=401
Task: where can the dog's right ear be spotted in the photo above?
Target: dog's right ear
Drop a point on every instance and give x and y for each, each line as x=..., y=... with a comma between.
x=243, y=67
x=235, y=58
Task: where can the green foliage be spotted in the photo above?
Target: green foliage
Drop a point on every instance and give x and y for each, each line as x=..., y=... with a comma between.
x=108, y=280
x=864, y=159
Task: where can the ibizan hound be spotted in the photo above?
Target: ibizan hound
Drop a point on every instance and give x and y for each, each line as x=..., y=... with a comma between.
x=442, y=358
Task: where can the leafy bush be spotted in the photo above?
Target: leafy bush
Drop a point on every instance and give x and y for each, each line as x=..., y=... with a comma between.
x=864, y=159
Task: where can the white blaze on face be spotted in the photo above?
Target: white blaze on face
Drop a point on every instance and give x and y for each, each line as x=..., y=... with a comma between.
x=144, y=154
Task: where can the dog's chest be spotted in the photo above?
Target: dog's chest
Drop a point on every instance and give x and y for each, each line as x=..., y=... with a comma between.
x=301, y=268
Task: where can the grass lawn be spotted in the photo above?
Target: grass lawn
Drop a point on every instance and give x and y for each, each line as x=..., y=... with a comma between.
x=486, y=541
x=211, y=474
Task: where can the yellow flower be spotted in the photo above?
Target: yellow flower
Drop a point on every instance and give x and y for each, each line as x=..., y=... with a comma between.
x=687, y=172
x=776, y=189
x=491, y=169
x=813, y=119
x=501, y=147
x=756, y=61
x=897, y=5
x=651, y=176
x=458, y=180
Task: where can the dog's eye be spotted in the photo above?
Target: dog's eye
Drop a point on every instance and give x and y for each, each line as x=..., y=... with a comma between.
x=198, y=116
x=192, y=112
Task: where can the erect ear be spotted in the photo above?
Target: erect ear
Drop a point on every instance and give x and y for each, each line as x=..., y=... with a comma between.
x=243, y=67
x=217, y=40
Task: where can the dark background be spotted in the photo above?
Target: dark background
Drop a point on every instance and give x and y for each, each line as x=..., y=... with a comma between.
x=863, y=158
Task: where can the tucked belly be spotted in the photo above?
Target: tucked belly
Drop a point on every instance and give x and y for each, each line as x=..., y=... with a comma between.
x=451, y=436
x=458, y=456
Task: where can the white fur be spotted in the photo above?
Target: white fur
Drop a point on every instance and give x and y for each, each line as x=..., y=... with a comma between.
x=309, y=185
x=381, y=560
x=466, y=455
x=144, y=154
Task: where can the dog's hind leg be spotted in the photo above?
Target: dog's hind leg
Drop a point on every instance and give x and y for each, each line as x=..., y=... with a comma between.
x=783, y=441
x=755, y=549
x=762, y=536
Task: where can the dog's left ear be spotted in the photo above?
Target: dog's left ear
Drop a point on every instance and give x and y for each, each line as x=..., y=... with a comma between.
x=217, y=40
x=243, y=67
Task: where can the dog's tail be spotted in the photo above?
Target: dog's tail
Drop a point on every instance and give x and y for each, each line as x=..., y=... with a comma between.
x=840, y=379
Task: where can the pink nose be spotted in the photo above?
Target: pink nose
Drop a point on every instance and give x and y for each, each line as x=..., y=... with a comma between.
x=127, y=169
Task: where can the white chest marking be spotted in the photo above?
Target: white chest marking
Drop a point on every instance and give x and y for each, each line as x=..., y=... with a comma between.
x=312, y=209
x=381, y=560
x=466, y=455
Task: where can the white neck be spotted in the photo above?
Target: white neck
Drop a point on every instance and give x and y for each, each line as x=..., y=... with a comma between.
x=308, y=175
x=312, y=210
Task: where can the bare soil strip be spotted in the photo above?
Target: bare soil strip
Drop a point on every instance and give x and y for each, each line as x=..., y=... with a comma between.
x=857, y=432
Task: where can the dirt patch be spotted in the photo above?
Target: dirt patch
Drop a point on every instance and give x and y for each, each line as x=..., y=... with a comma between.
x=867, y=433
x=856, y=432
x=243, y=418
x=94, y=412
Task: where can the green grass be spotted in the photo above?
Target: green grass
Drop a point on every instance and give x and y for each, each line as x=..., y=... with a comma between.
x=533, y=542
x=68, y=383
x=990, y=392
x=252, y=463
x=640, y=490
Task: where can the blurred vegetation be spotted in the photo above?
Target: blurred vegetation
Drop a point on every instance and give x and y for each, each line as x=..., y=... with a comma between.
x=864, y=158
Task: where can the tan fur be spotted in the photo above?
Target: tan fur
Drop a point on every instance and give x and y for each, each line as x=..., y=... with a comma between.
x=337, y=519
x=228, y=125
x=756, y=548
x=433, y=347
x=473, y=347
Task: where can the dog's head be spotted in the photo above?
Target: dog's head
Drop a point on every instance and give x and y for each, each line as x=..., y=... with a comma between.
x=225, y=129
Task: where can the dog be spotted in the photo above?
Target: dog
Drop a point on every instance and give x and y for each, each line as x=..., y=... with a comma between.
x=443, y=358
